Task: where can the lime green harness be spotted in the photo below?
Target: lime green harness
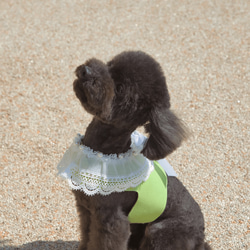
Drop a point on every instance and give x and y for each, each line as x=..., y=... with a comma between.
x=152, y=197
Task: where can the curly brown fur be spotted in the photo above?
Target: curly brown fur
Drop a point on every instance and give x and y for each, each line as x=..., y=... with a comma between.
x=127, y=92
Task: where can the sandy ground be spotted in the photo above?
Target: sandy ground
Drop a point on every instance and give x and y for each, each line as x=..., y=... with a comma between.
x=203, y=47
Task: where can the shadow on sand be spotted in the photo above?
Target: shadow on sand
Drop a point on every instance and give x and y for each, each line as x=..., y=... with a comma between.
x=42, y=245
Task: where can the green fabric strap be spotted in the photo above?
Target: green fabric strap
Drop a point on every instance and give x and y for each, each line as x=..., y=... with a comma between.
x=152, y=197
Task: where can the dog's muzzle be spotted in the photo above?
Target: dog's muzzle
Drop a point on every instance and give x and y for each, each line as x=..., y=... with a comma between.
x=82, y=71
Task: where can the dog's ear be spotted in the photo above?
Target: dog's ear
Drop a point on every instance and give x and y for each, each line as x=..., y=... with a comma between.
x=166, y=132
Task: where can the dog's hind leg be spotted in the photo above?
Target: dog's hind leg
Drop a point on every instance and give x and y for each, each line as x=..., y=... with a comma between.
x=168, y=235
x=180, y=227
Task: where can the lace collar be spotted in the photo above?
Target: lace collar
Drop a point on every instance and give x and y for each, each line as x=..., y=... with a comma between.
x=96, y=173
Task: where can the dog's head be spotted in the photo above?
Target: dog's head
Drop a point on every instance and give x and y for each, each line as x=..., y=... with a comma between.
x=94, y=87
x=130, y=91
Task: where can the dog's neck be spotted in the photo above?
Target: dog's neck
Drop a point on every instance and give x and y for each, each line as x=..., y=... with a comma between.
x=107, y=138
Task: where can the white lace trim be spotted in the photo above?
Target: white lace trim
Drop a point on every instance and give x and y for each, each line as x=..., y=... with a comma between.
x=96, y=173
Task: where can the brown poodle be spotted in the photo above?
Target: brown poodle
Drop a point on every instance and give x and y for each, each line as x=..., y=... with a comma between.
x=108, y=166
